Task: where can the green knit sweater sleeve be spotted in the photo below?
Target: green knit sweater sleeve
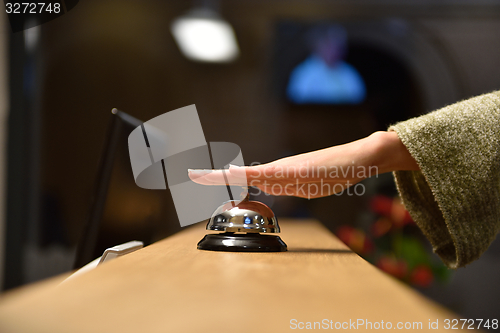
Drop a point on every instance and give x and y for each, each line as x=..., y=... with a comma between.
x=455, y=197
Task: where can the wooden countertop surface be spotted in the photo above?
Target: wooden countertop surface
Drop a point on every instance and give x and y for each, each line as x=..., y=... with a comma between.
x=170, y=286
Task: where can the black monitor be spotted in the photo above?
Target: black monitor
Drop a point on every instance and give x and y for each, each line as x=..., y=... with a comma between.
x=120, y=211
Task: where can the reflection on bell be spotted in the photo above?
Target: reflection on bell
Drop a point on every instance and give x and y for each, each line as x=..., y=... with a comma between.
x=249, y=218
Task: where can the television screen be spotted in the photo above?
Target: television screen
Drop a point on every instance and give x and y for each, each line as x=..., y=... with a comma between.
x=325, y=77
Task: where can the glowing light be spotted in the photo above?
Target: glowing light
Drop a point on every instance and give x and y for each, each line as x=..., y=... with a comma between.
x=203, y=36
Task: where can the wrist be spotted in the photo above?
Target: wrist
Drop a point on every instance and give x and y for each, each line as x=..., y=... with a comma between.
x=389, y=154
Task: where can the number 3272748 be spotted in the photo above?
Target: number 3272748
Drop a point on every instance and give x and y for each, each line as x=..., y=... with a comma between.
x=455, y=324
x=32, y=7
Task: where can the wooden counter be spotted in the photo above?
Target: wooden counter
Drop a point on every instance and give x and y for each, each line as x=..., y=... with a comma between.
x=171, y=286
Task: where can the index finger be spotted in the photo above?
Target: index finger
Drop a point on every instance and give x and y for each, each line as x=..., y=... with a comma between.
x=217, y=177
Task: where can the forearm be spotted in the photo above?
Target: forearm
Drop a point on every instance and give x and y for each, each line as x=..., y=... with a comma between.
x=383, y=150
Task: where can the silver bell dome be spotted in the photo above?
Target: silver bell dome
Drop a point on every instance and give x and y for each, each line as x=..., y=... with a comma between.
x=245, y=216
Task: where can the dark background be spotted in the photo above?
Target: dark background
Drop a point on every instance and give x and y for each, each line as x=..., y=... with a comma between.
x=415, y=56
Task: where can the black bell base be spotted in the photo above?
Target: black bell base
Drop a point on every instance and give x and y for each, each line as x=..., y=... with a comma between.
x=231, y=242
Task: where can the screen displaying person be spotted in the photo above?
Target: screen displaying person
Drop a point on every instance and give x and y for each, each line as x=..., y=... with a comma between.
x=324, y=77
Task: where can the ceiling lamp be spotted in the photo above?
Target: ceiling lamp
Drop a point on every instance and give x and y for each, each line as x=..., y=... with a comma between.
x=202, y=35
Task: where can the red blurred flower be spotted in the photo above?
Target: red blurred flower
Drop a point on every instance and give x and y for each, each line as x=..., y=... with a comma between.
x=422, y=276
x=395, y=267
x=381, y=204
x=381, y=227
x=408, y=219
x=355, y=239
x=391, y=208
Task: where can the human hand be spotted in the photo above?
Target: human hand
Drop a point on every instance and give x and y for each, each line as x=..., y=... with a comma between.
x=319, y=173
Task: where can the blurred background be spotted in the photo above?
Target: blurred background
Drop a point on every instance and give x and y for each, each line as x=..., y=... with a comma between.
x=275, y=77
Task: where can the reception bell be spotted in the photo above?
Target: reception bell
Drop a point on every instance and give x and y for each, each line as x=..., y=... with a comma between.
x=243, y=225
